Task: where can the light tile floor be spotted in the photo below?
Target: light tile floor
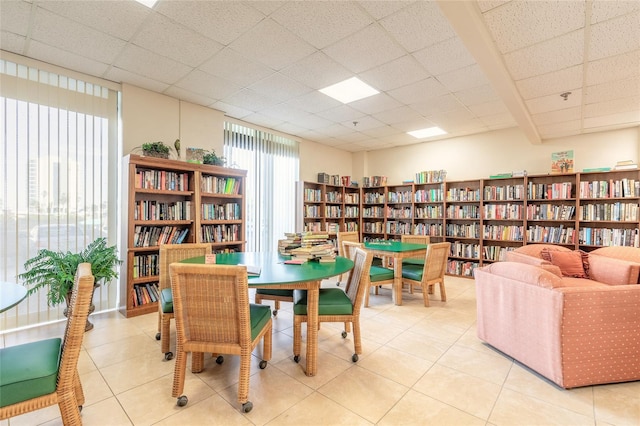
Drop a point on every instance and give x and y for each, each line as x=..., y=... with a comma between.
x=420, y=366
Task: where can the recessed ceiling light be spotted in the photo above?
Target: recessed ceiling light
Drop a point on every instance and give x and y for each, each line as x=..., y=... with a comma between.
x=427, y=133
x=349, y=90
x=148, y=3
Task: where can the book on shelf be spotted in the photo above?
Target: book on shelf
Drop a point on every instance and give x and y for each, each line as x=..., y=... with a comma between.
x=596, y=169
x=633, y=166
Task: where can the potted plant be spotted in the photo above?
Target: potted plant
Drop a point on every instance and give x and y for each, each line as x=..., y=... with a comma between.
x=156, y=149
x=210, y=157
x=56, y=270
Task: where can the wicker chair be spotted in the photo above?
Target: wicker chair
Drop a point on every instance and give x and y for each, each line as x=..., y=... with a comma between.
x=414, y=239
x=170, y=253
x=431, y=273
x=276, y=295
x=213, y=315
x=377, y=274
x=352, y=236
x=43, y=373
x=336, y=305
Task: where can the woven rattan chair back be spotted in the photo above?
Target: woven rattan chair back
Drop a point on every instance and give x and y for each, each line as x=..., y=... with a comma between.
x=435, y=266
x=170, y=253
x=212, y=313
x=353, y=236
x=68, y=394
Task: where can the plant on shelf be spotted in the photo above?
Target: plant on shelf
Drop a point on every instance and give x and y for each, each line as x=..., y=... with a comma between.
x=210, y=157
x=55, y=270
x=156, y=149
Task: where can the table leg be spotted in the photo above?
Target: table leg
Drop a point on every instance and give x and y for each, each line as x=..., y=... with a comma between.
x=313, y=295
x=397, y=280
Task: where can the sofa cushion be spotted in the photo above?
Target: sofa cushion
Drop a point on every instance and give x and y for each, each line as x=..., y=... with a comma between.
x=571, y=263
x=631, y=254
x=530, y=274
x=535, y=249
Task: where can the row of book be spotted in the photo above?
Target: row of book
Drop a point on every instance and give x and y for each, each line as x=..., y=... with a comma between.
x=369, y=181
x=220, y=233
x=227, y=211
x=431, y=176
x=550, y=211
x=399, y=196
x=156, y=210
x=504, y=193
x=151, y=236
x=610, y=189
x=373, y=198
x=502, y=211
x=145, y=293
x=463, y=194
x=393, y=213
x=373, y=227
x=612, y=212
x=551, y=191
x=398, y=228
x=333, y=197
x=470, y=211
x=609, y=237
x=462, y=268
x=373, y=212
x=496, y=253
x=161, y=180
x=429, y=212
x=460, y=249
x=433, y=195
x=352, y=198
x=312, y=195
x=220, y=185
x=551, y=234
x=503, y=232
x=469, y=230
x=431, y=229
x=146, y=265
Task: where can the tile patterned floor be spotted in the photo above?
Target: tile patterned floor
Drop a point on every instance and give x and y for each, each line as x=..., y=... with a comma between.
x=420, y=366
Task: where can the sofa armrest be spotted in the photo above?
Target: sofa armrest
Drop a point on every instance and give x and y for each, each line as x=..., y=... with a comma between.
x=612, y=271
x=600, y=334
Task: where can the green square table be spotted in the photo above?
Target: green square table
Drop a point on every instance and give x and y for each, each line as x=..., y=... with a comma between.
x=398, y=251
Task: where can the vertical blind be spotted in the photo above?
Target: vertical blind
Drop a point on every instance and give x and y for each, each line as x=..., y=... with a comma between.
x=58, y=151
x=272, y=164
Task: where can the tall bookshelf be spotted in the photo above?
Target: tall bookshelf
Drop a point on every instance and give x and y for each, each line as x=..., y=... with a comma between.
x=485, y=218
x=173, y=202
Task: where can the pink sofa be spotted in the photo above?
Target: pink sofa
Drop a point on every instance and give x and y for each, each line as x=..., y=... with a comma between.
x=573, y=331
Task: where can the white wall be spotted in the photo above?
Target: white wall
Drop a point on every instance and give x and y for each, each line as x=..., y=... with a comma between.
x=479, y=156
x=316, y=158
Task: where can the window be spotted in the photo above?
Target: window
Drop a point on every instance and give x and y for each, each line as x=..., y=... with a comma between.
x=272, y=164
x=58, y=150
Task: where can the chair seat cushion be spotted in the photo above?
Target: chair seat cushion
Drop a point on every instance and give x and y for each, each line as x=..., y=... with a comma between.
x=166, y=300
x=259, y=315
x=378, y=273
x=413, y=262
x=29, y=371
x=275, y=292
x=412, y=272
x=333, y=301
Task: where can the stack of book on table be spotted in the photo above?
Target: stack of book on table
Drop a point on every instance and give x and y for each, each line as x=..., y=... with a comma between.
x=307, y=246
x=319, y=252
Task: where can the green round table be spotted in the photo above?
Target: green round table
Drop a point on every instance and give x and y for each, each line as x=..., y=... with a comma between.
x=275, y=274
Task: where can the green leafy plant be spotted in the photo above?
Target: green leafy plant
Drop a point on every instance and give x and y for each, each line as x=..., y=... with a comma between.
x=210, y=157
x=156, y=149
x=56, y=270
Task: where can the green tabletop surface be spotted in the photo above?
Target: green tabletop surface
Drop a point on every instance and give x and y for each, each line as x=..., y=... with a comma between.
x=393, y=246
x=275, y=271
x=10, y=295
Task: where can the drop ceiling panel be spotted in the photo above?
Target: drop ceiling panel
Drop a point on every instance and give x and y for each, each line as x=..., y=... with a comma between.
x=286, y=113
x=488, y=108
x=613, y=90
x=463, y=78
x=603, y=10
x=227, y=62
x=519, y=24
x=250, y=100
x=418, y=26
x=376, y=103
x=615, y=36
x=14, y=17
x=12, y=42
x=613, y=68
x=498, y=121
x=437, y=105
x=612, y=107
x=448, y=55
x=553, y=82
x=322, y=23
x=364, y=50
x=118, y=74
x=53, y=55
x=567, y=114
x=213, y=87
x=420, y=91
x=552, y=55
x=385, y=77
x=476, y=95
x=379, y=9
x=397, y=115
x=313, y=102
x=341, y=113
x=151, y=65
x=279, y=86
x=623, y=119
x=197, y=98
x=167, y=38
x=317, y=71
x=557, y=130
x=554, y=102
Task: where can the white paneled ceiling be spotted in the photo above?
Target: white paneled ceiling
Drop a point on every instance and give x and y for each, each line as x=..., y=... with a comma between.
x=466, y=67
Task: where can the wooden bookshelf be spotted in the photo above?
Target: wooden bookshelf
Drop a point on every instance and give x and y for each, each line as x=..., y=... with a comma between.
x=173, y=202
x=485, y=218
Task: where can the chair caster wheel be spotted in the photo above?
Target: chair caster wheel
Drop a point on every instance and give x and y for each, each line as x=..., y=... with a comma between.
x=275, y=313
x=168, y=356
x=344, y=334
x=219, y=359
x=247, y=406
x=182, y=401
x=296, y=358
x=158, y=336
x=354, y=358
x=263, y=364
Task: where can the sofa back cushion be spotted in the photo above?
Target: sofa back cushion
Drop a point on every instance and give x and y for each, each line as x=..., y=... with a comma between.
x=535, y=249
x=631, y=254
x=530, y=274
x=571, y=263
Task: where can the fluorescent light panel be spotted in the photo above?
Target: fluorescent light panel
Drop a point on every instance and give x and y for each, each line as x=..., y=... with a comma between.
x=427, y=133
x=148, y=3
x=349, y=90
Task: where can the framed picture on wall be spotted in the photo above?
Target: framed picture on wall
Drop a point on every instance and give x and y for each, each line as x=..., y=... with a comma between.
x=562, y=162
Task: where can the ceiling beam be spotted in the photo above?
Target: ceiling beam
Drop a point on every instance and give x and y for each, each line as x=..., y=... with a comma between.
x=466, y=20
